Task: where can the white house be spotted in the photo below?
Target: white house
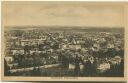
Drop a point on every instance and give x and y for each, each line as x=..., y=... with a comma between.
x=9, y=59
x=110, y=45
x=17, y=51
x=76, y=47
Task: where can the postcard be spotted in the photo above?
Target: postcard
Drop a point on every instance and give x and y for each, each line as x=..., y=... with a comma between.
x=64, y=41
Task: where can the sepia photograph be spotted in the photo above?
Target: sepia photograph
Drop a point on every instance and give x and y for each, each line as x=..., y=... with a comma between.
x=63, y=40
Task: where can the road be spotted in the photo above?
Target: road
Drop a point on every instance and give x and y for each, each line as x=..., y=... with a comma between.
x=31, y=68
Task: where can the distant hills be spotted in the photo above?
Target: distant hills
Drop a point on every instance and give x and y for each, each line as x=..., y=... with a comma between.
x=68, y=28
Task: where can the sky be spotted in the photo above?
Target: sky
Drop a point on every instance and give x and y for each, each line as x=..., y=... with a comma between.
x=62, y=14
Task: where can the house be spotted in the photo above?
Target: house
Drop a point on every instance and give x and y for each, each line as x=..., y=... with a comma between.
x=80, y=41
x=110, y=45
x=61, y=35
x=70, y=46
x=9, y=59
x=32, y=51
x=84, y=50
x=17, y=51
x=95, y=49
x=74, y=47
x=24, y=42
x=116, y=60
x=104, y=67
x=43, y=38
x=96, y=45
x=73, y=41
x=63, y=46
x=12, y=37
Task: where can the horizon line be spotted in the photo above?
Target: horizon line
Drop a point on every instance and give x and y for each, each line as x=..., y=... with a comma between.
x=39, y=26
